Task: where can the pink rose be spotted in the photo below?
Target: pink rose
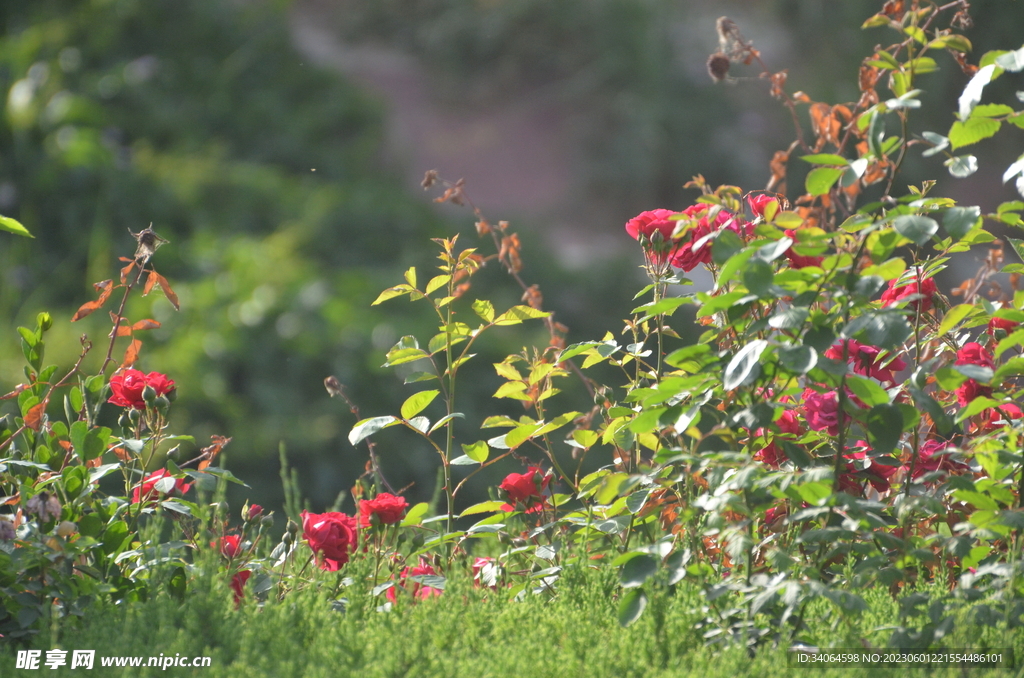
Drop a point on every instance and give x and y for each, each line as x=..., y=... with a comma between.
x=770, y=455
x=929, y=459
x=821, y=410
x=758, y=203
x=332, y=536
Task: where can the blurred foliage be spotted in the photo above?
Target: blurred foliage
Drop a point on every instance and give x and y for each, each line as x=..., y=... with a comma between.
x=264, y=175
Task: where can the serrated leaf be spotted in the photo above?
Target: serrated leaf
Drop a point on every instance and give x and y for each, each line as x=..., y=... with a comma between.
x=483, y=507
x=958, y=221
x=821, y=179
x=972, y=131
x=517, y=314
x=867, y=390
x=391, y=293
x=825, y=159
x=954, y=316
x=632, y=607
x=758, y=276
x=916, y=227
x=962, y=166
x=885, y=426
x=14, y=226
x=789, y=318
x=437, y=282
x=414, y=516
x=416, y=403
x=971, y=95
x=637, y=570
x=484, y=309
x=1011, y=61
x=743, y=363
x=478, y=451
x=367, y=427
x=939, y=143
x=798, y=359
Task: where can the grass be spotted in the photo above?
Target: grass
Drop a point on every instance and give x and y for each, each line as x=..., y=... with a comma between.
x=465, y=632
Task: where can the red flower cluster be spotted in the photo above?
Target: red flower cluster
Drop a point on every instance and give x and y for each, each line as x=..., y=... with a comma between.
x=865, y=360
x=973, y=353
x=332, y=536
x=525, y=489
x=770, y=455
x=689, y=255
x=1003, y=324
x=929, y=459
x=682, y=254
x=388, y=509
x=897, y=293
x=146, y=491
x=419, y=591
x=127, y=387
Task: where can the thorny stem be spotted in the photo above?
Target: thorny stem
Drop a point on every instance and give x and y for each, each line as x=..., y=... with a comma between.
x=120, y=316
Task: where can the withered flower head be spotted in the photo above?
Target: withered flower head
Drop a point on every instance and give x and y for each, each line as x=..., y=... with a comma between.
x=149, y=242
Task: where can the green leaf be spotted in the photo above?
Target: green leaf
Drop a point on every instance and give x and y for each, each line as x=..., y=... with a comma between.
x=743, y=363
x=632, y=606
x=916, y=227
x=483, y=507
x=979, y=373
x=939, y=144
x=518, y=314
x=971, y=95
x=954, y=316
x=13, y=226
x=725, y=246
x=478, y=451
x=825, y=159
x=962, y=166
x=959, y=220
x=414, y=516
x=821, y=179
x=789, y=318
x=972, y=131
x=867, y=390
x=798, y=359
x=415, y=403
x=666, y=306
x=815, y=492
x=1011, y=61
x=484, y=309
x=637, y=570
x=758, y=276
x=443, y=421
x=391, y=293
x=367, y=427
x=885, y=426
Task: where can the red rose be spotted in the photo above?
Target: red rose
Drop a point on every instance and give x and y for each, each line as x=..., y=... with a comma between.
x=148, y=491
x=770, y=455
x=865, y=360
x=238, y=585
x=127, y=386
x=897, y=293
x=759, y=202
x=800, y=260
x=877, y=474
x=525, y=489
x=419, y=591
x=1003, y=324
x=686, y=256
x=969, y=390
x=388, y=508
x=999, y=417
x=929, y=459
x=974, y=353
x=774, y=517
x=229, y=545
x=654, y=221
x=332, y=536
x=822, y=411
x=255, y=511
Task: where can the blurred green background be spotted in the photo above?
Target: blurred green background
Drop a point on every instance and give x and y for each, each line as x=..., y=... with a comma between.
x=277, y=146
